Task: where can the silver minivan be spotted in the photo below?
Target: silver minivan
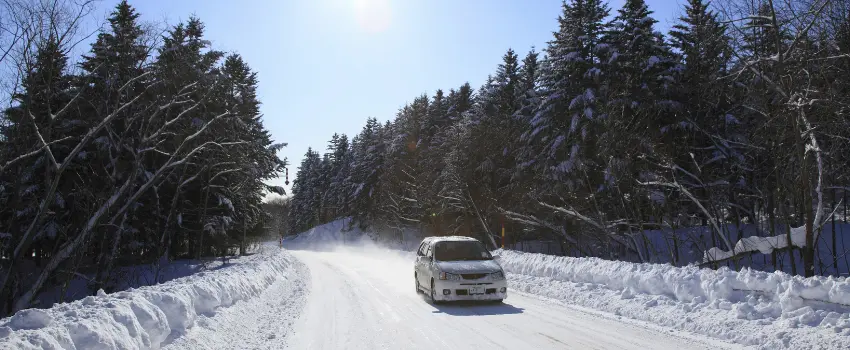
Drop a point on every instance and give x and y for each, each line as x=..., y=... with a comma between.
x=458, y=268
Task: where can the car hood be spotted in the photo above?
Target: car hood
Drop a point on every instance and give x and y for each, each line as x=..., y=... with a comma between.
x=477, y=266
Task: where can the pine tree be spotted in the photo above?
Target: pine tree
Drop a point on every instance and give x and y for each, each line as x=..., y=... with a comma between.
x=448, y=144
x=366, y=169
x=403, y=193
x=338, y=169
x=560, y=131
x=254, y=153
x=116, y=58
x=39, y=117
x=707, y=123
x=640, y=109
x=305, y=194
x=130, y=162
x=527, y=92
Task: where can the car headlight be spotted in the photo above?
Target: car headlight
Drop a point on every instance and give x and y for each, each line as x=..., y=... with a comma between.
x=449, y=276
x=498, y=275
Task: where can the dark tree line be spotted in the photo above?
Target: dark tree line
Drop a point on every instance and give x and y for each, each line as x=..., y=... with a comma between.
x=618, y=138
x=150, y=148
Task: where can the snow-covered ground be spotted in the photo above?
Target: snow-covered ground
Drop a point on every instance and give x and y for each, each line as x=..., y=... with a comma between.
x=336, y=290
x=365, y=299
x=243, y=303
x=764, y=310
x=750, y=308
x=133, y=276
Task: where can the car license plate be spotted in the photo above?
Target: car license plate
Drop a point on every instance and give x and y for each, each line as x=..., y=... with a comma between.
x=476, y=290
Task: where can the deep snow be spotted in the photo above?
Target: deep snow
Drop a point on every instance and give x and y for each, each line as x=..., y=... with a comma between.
x=766, y=310
x=753, y=243
x=133, y=276
x=150, y=317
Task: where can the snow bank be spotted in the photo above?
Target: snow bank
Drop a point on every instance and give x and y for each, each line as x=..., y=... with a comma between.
x=126, y=277
x=681, y=283
x=148, y=317
x=772, y=310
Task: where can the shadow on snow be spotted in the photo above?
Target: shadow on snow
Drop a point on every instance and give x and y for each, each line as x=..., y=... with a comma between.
x=476, y=308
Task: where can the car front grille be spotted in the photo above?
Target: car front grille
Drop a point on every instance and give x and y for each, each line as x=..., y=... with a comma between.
x=473, y=276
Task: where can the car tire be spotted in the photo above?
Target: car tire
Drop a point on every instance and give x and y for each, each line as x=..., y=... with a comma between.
x=416, y=281
x=433, y=299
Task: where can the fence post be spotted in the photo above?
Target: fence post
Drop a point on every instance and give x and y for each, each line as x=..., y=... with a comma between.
x=502, y=220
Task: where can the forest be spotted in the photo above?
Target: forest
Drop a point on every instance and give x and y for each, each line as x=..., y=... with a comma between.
x=148, y=147
x=723, y=142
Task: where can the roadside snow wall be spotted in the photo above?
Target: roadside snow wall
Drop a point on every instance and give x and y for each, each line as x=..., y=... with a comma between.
x=148, y=317
x=768, y=310
x=682, y=283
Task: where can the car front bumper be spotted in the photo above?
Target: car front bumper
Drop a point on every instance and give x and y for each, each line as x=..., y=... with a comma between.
x=464, y=290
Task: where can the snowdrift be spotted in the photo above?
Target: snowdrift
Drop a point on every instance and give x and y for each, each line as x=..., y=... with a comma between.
x=682, y=283
x=148, y=317
x=769, y=310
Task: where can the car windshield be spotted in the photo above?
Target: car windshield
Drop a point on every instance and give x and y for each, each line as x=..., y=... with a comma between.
x=463, y=250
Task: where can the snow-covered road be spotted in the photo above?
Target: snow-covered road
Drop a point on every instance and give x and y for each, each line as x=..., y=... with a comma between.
x=360, y=300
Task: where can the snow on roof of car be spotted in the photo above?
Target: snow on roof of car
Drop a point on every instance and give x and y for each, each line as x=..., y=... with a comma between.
x=448, y=238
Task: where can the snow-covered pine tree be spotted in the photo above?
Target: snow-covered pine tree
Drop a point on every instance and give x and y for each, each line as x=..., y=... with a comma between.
x=46, y=93
x=432, y=154
x=402, y=190
x=304, y=210
x=252, y=159
x=451, y=208
x=336, y=197
x=708, y=124
x=128, y=156
x=528, y=95
x=560, y=132
x=366, y=169
x=117, y=58
x=640, y=112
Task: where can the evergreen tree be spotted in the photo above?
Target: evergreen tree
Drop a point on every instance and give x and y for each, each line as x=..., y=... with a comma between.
x=131, y=162
x=305, y=208
x=639, y=107
x=46, y=94
x=366, y=169
x=527, y=92
x=707, y=122
x=560, y=132
x=336, y=196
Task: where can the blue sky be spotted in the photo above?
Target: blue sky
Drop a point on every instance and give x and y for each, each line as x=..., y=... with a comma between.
x=326, y=65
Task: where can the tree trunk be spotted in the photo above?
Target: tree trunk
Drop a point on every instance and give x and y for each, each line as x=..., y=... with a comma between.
x=834, y=241
x=242, y=242
x=806, y=203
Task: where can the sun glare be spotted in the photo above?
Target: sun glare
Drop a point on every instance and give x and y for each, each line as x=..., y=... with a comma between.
x=373, y=16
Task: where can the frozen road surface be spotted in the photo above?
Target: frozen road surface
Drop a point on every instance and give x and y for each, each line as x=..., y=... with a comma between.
x=360, y=300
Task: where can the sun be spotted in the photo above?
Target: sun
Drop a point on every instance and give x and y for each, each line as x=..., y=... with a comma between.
x=373, y=16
